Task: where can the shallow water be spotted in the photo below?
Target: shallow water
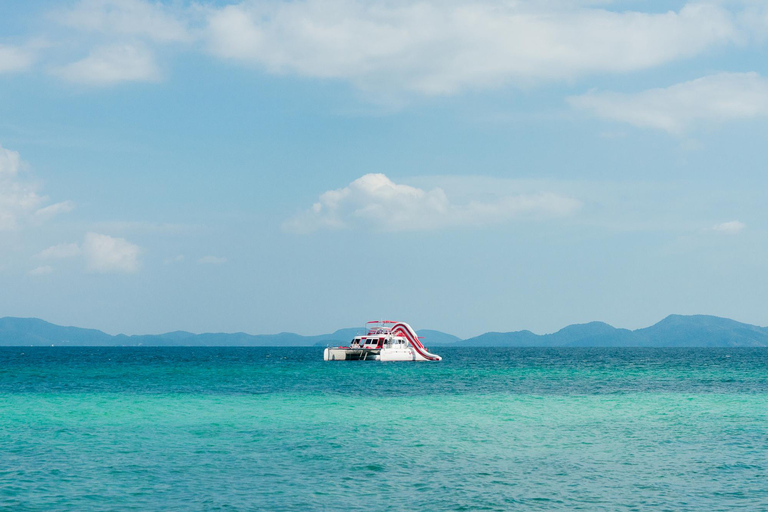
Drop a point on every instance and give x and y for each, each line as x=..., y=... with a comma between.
x=485, y=429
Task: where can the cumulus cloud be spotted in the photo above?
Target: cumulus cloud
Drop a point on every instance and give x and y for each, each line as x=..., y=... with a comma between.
x=102, y=254
x=40, y=271
x=20, y=200
x=108, y=65
x=60, y=251
x=711, y=99
x=733, y=227
x=429, y=47
x=105, y=254
x=153, y=21
x=51, y=211
x=14, y=59
x=444, y=47
x=376, y=201
x=212, y=260
x=10, y=162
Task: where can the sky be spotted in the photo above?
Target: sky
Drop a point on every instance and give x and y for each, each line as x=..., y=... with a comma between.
x=305, y=165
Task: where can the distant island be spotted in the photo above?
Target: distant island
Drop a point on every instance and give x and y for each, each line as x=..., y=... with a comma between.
x=673, y=331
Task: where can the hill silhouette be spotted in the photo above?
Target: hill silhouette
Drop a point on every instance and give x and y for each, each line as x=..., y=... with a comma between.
x=673, y=331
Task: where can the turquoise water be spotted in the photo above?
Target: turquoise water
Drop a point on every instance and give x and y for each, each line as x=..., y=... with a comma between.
x=485, y=429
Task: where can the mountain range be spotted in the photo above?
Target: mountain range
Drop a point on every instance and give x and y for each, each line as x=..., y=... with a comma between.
x=673, y=331
x=36, y=332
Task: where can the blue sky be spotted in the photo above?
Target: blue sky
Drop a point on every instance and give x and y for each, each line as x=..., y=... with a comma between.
x=303, y=166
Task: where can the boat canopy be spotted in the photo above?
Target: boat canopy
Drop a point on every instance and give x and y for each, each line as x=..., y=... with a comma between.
x=379, y=327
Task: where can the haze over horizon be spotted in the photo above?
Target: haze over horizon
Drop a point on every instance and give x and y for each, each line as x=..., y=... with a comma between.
x=303, y=166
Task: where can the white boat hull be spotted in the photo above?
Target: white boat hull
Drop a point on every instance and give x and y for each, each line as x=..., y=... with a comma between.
x=349, y=354
x=385, y=354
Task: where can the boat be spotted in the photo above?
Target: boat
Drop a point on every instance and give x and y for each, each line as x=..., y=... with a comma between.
x=384, y=340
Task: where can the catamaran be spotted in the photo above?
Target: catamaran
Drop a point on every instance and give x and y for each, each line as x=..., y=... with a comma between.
x=384, y=340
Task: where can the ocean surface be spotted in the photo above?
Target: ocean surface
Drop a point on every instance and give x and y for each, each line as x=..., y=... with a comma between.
x=156, y=429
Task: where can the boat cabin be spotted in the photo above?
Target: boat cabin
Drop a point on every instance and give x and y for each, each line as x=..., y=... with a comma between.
x=376, y=341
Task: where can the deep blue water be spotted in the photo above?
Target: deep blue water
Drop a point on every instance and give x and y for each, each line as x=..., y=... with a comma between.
x=485, y=429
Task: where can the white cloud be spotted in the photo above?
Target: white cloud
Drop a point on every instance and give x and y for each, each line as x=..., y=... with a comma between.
x=102, y=253
x=109, y=65
x=754, y=18
x=60, y=251
x=212, y=260
x=154, y=21
x=14, y=59
x=444, y=47
x=20, y=202
x=711, y=99
x=377, y=202
x=39, y=271
x=733, y=227
x=10, y=163
x=51, y=211
x=105, y=254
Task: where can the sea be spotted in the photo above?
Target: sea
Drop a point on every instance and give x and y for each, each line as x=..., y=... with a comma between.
x=279, y=429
